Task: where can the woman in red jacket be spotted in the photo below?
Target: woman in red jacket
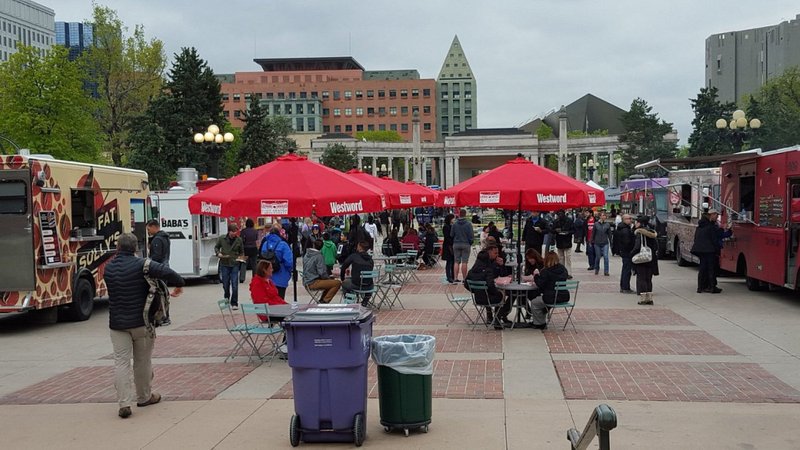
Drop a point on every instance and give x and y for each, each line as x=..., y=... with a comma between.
x=262, y=289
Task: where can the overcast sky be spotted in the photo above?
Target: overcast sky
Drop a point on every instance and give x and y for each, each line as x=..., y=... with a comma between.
x=528, y=56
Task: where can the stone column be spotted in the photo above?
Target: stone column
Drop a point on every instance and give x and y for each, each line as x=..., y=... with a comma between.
x=390, y=167
x=612, y=171
x=405, y=159
x=419, y=166
x=374, y=166
x=577, y=166
x=360, y=163
x=456, y=170
x=562, y=142
x=596, y=174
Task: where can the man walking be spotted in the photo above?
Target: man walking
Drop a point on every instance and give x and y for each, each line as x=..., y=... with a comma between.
x=623, y=243
x=229, y=249
x=461, y=233
x=127, y=294
x=159, y=250
x=563, y=229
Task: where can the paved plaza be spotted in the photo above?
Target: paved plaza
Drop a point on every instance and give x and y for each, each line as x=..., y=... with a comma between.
x=692, y=371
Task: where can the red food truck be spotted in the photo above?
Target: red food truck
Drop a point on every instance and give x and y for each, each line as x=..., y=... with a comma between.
x=764, y=192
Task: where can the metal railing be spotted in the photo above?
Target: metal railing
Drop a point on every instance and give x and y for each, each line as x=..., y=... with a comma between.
x=603, y=420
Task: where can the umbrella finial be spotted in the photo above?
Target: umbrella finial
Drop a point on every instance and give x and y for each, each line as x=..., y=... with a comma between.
x=519, y=155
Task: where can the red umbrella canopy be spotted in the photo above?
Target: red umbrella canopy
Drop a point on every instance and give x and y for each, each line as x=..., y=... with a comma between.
x=427, y=194
x=521, y=184
x=290, y=186
x=398, y=195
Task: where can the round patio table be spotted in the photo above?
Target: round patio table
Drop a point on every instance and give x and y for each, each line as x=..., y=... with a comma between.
x=518, y=296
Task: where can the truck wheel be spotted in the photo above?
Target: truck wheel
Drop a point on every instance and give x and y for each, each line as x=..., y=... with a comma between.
x=82, y=301
x=751, y=283
x=679, y=256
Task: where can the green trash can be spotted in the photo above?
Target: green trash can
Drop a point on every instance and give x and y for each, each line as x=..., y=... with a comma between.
x=405, y=379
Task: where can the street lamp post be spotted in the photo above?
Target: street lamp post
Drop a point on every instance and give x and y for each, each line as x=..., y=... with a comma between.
x=617, y=161
x=383, y=171
x=740, y=129
x=589, y=168
x=213, y=137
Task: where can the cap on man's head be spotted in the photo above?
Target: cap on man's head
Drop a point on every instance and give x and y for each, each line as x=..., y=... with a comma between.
x=233, y=226
x=713, y=211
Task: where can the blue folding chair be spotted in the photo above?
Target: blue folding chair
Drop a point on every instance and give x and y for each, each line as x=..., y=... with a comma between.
x=259, y=331
x=571, y=287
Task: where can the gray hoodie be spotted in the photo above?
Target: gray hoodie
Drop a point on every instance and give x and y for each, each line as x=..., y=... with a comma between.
x=313, y=266
x=601, y=233
x=461, y=231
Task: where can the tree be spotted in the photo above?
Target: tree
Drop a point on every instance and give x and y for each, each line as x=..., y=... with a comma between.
x=706, y=139
x=43, y=105
x=127, y=72
x=379, y=136
x=644, y=136
x=264, y=138
x=545, y=131
x=777, y=105
x=190, y=101
x=339, y=157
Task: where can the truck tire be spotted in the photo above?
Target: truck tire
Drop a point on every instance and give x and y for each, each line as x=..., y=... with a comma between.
x=82, y=301
x=751, y=283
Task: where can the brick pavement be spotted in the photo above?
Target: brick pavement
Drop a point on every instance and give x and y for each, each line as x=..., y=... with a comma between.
x=417, y=317
x=458, y=340
x=639, y=342
x=672, y=381
x=620, y=316
x=192, y=346
x=463, y=379
x=197, y=381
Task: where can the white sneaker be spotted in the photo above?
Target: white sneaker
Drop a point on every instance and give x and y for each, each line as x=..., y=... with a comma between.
x=283, y=348
x=235, y=307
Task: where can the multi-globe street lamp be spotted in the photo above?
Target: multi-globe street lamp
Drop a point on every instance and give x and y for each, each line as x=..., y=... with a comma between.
x=617, y=161
x=589, y=167
x=739, y=129
x=214, y=137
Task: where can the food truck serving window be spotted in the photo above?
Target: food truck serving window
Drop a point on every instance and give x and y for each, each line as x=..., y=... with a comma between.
x=747, y=193
x=83, y=213
x=12, y=197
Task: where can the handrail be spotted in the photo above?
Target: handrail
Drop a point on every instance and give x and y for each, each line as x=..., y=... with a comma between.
x=603, y=420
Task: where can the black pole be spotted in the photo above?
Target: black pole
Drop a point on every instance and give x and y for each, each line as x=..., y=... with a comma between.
x=519, y=238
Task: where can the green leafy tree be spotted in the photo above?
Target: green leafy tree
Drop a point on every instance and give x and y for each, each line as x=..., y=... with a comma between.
x=337, y=156
x=44, y=107
x=264, y=138
x=379, y=136
x=190, y=101
x=644, y=136
x=706, y=139
x=777, y=105
x=544, y=131
x=127, y=72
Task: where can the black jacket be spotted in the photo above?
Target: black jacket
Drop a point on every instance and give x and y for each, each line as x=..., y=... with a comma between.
x=127, y=288
x=483, y=270
x=533, y=238
x=546, y=281
x=159, y=247
x=623, y=240
x=705, y=237
x=447, y=241
x=360, y=262
x=562, y=229
x=650, y=240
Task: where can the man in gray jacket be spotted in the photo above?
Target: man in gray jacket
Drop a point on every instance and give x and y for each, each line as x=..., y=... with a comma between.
x=601, y=237
x=461, y=231
x=315, y=273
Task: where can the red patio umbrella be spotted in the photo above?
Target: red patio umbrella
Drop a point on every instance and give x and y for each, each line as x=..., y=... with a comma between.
x=290, y=186
x=398, y=195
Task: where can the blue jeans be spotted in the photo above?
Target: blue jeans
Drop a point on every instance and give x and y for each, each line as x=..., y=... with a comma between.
x=230, y=282
x=625, y=277
x=601, y=251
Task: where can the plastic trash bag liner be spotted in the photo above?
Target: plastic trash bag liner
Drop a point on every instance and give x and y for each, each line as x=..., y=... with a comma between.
x=406, y=353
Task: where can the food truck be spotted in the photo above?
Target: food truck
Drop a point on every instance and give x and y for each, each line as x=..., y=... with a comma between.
x=691, y=193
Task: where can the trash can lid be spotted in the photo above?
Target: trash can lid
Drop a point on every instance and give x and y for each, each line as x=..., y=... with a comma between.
x=330, y=313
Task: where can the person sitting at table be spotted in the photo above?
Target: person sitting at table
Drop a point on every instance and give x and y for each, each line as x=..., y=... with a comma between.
x=552, y=272
x=262, y=288
x=484, y=269
x=411, y=239
x=392, y=244
x=431, y=238
x=500, y=268
x=315, y=273
x=360, y=261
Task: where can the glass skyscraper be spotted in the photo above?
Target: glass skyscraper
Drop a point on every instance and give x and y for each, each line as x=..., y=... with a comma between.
x=75, y=36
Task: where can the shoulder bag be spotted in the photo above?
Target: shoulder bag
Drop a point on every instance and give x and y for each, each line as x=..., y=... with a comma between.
x=645, y=255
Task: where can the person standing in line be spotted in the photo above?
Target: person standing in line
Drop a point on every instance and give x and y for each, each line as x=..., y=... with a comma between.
x=447, y=249
x=461, y=232
x=159, y=251
x=534, y=231
x=284, y=259
x=707, y=244
x=384, y=220
x=624, y=241
x=645, y=271
x=563, y=229
x=601, y=238
x=131, y=338
x=229, y=249
x=250, y=243
x=588, y=227
x=580, y=232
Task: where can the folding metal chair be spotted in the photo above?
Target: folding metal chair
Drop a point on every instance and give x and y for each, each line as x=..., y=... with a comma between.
x=483, y=310
x=458, y=302
x=236, y=330
x=389, y=288
x=259, y=331
x=366, y=291
x=572, y=288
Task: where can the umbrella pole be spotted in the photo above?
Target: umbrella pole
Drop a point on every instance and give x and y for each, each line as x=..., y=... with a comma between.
x=519, y=238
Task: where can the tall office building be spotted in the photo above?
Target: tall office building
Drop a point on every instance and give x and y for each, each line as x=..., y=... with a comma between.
x=457, y=97
x=27, y=23
x=738, y=63
x=75, y=36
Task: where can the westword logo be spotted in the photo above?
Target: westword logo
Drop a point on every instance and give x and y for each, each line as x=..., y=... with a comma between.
x=551, y=198
x=210, y=208
x=344, y=207
x=449, y=200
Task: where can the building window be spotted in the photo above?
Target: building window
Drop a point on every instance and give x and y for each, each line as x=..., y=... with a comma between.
x=370, y=94
x=381, y=94
x=281, y=95
x=403, y=93
x=304, y=95
x=444, y=107
x=348, y=95
x=292, y=95
x=393, y=127
x=348, y=111
x=298, y=124
x=298, y=108
x=393, y=111
x=237, y=97
x=337, y=112
x=382, y=127
x=426, y=126
x=359, y=94
x=403, y=127
x=225, y=97
x=370, y=112
x=359, y=111
x=404, y=110
x=348, y=128
x=326, y=112
x=326, y=128
x=371, y=127
x=270, y=95
x=312, y=124
x=444, y=129
x=382, y=111
x=426, y=93
x=237, y=114
x=314, y=94
x=414, y=109
x=312, y=108
x=287, y=108
x=276, y=109
x=359, y=127
x=456, y=110
x=392, y=93
x=337, y=128
x=426, y=109
x=336, y=95
x=415, y=93
x=225, y=114
x=325, y=94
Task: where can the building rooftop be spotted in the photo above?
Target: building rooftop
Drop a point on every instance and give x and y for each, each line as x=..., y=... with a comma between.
x=489, y=132
x=302, y=64
x=403, y=74
x=588, y=114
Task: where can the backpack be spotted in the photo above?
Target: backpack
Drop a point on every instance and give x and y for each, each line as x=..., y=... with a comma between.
x=157, y=303
x=269, y=255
